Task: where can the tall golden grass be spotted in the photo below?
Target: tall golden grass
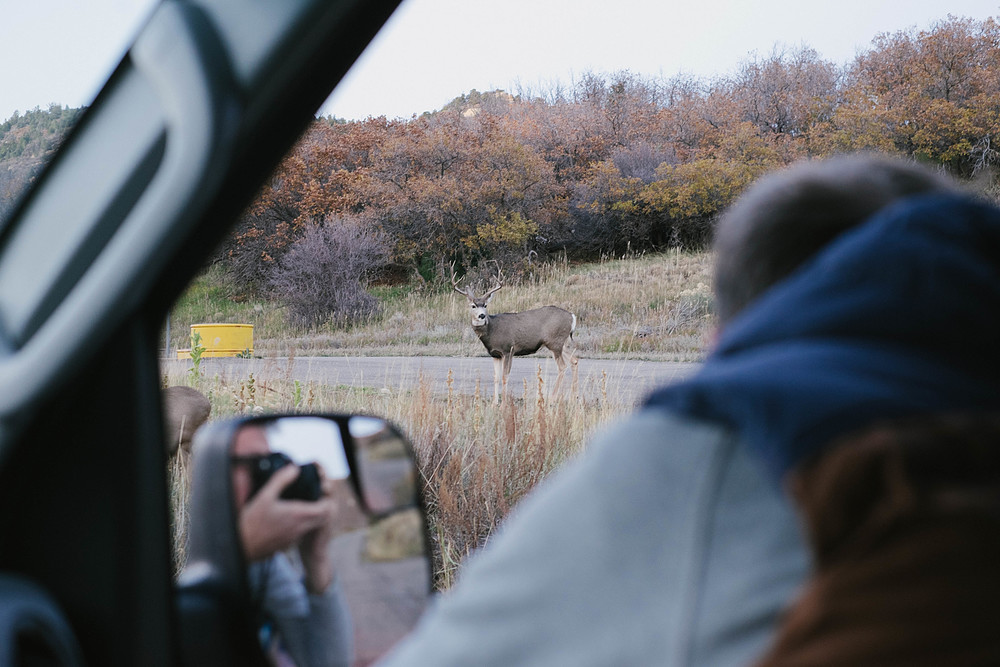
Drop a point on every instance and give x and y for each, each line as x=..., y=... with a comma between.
x=477, y=459
x=179, y=483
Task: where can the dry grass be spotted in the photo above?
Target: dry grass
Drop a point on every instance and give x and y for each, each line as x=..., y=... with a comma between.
x=477, y=459
x=655, y=307
x=179, y=482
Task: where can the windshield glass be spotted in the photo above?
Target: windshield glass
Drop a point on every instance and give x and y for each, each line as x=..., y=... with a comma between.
x=59, y=53
x=567, y=162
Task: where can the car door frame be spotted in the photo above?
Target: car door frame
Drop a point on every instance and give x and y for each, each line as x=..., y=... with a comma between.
x=210, y=97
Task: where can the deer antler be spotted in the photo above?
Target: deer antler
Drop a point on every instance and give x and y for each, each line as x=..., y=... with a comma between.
x=454, y=283
x=492, y=290
x=499, y=280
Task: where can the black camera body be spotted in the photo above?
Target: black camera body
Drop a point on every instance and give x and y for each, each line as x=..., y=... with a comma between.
x=305, y=487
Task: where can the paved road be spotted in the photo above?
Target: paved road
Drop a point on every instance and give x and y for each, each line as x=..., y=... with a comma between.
x=385, y=598
x=625, y=381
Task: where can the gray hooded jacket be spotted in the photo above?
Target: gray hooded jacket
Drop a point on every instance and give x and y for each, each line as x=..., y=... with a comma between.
x=665, y=544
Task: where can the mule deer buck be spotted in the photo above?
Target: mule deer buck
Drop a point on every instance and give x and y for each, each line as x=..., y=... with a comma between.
x=509, y=335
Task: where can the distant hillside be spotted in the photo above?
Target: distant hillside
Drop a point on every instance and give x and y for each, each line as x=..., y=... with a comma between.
x=27, y=141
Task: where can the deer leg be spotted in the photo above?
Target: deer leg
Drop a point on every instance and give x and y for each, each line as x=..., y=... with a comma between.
x=497, y=373
x=560, y=357
x=508, y=359
x=570, y=359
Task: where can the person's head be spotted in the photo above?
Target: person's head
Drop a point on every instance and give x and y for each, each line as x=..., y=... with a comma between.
x=787, y=216
x=250, y=441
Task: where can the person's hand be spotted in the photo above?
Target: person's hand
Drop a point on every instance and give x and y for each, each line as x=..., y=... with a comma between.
x=314, y=548
x=269, y=524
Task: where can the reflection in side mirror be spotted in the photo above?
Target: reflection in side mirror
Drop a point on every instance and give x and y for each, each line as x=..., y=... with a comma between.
x=385, y=466
x=333, y=535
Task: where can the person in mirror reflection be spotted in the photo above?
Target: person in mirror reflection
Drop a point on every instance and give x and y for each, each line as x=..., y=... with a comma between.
x=842, y=301
x=305, y=619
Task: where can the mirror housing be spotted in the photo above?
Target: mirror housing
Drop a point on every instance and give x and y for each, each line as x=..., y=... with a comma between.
x=215, y=627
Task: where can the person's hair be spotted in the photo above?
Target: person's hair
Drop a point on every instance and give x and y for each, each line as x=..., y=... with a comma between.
x=786, y=217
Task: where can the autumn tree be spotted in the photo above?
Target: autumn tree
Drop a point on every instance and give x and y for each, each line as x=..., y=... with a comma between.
x=933, y=94
x=325, y=174
x=606, y=215
x=692, y=115
x=463, y=188
x=786, y=92
x=618, y=161
x=565, y=132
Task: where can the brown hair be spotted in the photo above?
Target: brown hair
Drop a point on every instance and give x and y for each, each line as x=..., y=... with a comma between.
x=788, y=216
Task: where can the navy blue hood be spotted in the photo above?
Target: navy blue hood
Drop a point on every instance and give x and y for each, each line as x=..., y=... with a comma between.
x=895, y=318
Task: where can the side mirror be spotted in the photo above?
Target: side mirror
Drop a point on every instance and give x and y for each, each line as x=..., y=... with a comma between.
x=309, y=529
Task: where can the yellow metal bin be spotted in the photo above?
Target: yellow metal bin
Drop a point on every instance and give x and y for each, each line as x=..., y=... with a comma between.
x=221, y=340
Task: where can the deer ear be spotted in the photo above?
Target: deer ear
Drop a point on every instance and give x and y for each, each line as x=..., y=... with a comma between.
x=489, y=297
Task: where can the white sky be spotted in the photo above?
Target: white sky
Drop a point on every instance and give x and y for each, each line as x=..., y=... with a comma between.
x=435, y=50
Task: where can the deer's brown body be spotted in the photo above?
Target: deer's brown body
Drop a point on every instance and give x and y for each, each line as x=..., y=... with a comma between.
x=509, y=335
x=526, y=332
